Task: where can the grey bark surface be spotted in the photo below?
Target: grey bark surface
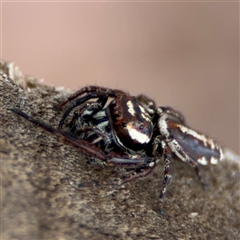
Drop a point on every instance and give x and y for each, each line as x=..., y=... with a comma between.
x=41, y=195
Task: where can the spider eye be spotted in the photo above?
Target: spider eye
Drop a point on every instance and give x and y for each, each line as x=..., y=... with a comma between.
x=141, y=126
x=124, y=124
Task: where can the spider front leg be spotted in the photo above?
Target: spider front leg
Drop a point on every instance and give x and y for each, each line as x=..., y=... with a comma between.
x=171, y=113
x=160, y=148
x=84, y=114
x=66, y=137
x=84, y=146
x=92, y=89
x=168, y=148
x=84, y=95
x=142, y=166
x=167, y=176
x=102, y=98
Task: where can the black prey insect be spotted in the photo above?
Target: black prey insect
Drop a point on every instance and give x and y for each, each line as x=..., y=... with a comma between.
x=131, y=132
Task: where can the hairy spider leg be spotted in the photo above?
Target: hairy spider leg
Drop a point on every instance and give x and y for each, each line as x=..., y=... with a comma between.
x=95, y=135
x=129, y=162
x=167, y=160
x=77, y=114
x=89, y=109
x=187, y=144
x=77, y=103
x=66, y=137
x=92, y=92
x=83, y=145
x=167, y=154
x=173, y=114
x=142, y=171
x=161, y=149
x=93, y=106
x=89, y=89
x=92, y=125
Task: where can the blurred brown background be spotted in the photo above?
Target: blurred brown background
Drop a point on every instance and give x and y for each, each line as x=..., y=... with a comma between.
x=184, y=55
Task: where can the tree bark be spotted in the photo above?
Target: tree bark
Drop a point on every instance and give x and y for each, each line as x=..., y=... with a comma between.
x=42, y=197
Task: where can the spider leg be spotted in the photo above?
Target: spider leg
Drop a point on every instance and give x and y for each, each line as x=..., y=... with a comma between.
x=130, y=161
x=160, y=148
x=167, y=176
x=90, y=92
x=170, y=113
x=77, y=103
x=66, y=137
x=147, y=103
x=168, y=147
x=117, y=159
x=84, y=146
x=84, y=114
x=95, y=106
x=89, y=89
x=182, y=155
x=139, y=164
x=142, y=171
x=77, y=121
x=34, y=121
x=95, y=137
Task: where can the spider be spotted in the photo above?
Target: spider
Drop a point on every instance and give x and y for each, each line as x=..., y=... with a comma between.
x=131, y=132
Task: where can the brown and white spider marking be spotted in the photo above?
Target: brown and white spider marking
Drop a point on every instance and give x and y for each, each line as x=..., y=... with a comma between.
x=123, y=130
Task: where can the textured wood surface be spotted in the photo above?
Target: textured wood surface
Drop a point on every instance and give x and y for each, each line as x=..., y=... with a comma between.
x=41, y=196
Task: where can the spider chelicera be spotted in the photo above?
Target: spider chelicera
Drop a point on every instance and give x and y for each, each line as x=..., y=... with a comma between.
x=122, y=130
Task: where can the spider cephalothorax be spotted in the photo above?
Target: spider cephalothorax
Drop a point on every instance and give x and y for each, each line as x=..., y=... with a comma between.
x=128, y=131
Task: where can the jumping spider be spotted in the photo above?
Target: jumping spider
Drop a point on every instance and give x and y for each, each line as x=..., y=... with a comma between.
x=123, y=130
